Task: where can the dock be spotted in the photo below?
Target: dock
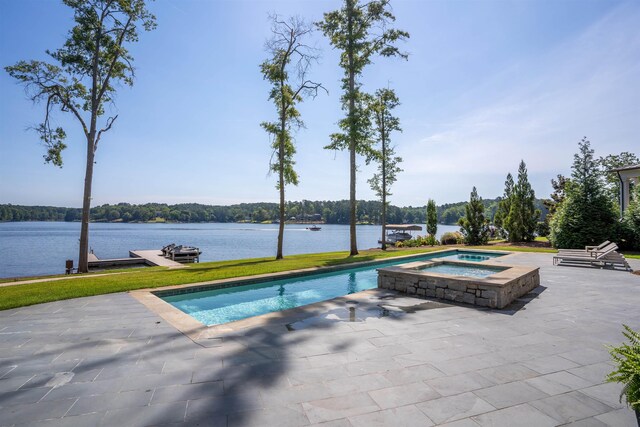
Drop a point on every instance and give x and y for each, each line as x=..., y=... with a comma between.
x=151, y=258
x=154, y=258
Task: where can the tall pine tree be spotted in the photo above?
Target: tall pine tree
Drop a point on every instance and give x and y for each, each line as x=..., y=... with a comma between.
x=504, y=206
x=359, y=31
x=521, y=221
x=473, y=226
x=287, y=70
x=432, y=218
x=586, y=216
x=93, y=62
x=380, y=107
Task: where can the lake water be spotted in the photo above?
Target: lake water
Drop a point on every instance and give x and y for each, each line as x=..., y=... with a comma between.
x=38, y=248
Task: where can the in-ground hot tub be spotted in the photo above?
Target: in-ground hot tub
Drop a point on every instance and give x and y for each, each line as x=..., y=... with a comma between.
x=485, y=284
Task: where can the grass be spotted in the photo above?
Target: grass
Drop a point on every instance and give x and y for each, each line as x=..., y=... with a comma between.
x=514, y=248
x=127, y=280
x=100, y=283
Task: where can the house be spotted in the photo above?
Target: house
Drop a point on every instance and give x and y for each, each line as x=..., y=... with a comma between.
x=629, y=178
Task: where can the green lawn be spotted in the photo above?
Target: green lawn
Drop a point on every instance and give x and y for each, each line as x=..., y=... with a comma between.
x=126, y=280
x=497, y=247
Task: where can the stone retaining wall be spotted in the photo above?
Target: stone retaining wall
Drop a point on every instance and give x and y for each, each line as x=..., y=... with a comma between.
x=495, y=291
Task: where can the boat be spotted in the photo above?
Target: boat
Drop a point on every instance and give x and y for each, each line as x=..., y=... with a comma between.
x=314, y=228
x=166, y=249
x=399, y=233
x=182, y=253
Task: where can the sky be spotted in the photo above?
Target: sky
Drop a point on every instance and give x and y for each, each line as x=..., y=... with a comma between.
x=488, y=83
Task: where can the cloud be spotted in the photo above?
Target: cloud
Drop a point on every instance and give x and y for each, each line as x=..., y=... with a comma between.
x=588, y=85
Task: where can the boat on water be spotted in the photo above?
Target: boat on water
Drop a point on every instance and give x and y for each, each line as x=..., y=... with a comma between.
x=314, y=228
x=399, y=233
x=181, y=253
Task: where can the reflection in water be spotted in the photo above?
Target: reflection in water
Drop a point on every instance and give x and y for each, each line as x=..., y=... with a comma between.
x=286, y=300
x=352, y=286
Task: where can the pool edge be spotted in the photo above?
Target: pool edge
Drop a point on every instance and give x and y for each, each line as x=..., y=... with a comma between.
x=198, y=331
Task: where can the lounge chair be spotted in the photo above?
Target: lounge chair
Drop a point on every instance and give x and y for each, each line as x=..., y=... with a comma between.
x=608, y=256
x=593, y=251
x=587, y=249
x=616, y=259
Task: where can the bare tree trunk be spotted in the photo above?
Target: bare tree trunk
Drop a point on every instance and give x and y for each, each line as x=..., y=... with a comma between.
x=279, y=254
x=352, y=138
x=384, y=185
x=384, y=222
x=83, y=257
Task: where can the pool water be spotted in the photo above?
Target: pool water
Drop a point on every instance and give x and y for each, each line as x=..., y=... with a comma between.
x=471, y=256
x=462, y=270
x=217, y=306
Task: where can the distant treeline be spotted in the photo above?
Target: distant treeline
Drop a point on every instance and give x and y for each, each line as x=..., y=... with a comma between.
x=331, y=212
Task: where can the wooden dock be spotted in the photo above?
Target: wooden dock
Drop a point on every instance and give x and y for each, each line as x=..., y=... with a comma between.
x=152, y=258
x=155, y=258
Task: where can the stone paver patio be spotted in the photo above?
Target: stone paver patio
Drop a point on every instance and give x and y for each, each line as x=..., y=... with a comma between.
x=109, y=361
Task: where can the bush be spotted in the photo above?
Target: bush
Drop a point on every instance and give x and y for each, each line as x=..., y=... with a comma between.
x=451, y=238
x=627, y=371
x=431, y=240
x=542, y=229
x=418, y=241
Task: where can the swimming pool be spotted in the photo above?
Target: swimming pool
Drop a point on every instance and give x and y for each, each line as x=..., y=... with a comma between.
x=223, y=305
x=466, y=270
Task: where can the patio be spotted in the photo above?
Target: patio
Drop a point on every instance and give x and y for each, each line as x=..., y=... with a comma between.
x=108, y=360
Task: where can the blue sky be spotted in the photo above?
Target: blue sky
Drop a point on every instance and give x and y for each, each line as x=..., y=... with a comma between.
x=487, y=83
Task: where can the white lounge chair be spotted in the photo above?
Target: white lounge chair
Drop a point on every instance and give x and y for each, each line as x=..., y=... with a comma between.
x=594, y=251
x=607, y=256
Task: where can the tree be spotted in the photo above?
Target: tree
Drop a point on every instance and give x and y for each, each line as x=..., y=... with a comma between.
x=432, y=218
x=289, y=55
x=586, y=216
x=473, y=225
x=504, y=205
x=558, y=195
x=92, y=61
x=552, y=204
x=359, y=31
x=380, y=108
x=521, y=221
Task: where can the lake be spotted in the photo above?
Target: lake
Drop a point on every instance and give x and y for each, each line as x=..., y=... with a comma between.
x=39, y=248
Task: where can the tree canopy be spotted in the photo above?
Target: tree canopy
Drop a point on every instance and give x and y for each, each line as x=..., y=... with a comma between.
x=91, y=62
x=521, y=220
x=289, y=54
x=587, y=215
x=473, y=225
x=432, y=217
x=381, y=107
x=359, y=31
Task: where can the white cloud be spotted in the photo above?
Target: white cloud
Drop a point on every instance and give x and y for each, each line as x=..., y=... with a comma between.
x=588, y=86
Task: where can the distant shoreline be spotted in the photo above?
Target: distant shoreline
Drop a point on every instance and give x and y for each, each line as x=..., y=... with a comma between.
x=200, y=222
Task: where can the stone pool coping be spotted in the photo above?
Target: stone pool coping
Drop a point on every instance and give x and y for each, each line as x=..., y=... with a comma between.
x=494, y=291
x=206, y=335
